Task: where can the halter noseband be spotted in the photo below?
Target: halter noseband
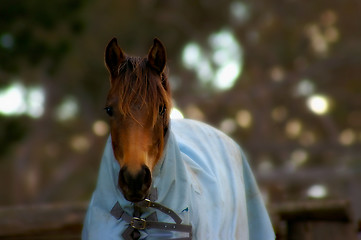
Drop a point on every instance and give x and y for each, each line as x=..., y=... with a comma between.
x=137, y=224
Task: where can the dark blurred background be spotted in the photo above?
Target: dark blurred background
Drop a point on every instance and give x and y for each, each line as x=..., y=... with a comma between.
x=280, y=77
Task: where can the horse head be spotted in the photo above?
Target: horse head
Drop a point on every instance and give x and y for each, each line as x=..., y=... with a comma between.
x=138, y=105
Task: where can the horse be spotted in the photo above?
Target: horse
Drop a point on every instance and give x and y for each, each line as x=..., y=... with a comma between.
x=163, y=178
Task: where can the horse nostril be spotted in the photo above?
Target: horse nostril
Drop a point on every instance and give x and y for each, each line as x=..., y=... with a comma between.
x=122, y=179
x=147, y=176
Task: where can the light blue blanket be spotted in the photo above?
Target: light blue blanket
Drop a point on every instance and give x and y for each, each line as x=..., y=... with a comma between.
x=203, y=176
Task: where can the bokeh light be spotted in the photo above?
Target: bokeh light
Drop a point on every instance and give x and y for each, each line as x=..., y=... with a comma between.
x=317, y=191
x=244, y=118
x=318, y=104
x=100, y=128
x=16, y=99
x=305, y=88
x=35, y=100
x=80, y=143
x=194, y=112
x=220, y=65
x=12, y=100
x=239, y=11
x=347, y=137
x=277, y=73
x=297, y=159
x=67, y=109
x=228, y=125
x=175, y=113
x=293, y=128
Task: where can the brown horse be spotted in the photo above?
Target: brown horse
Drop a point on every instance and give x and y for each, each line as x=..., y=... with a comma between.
x=158, y=179
x=138, y=105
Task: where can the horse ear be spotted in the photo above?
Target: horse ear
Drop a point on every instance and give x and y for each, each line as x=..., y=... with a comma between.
x=114, y=57
x=157, y=56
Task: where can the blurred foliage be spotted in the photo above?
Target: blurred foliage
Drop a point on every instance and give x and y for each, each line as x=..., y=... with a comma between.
x=14, y=129
x=37, y=30
x=290, y=51
x=32, y=32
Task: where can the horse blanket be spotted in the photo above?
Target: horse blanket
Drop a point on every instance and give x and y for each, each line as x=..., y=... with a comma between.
x=203, y=176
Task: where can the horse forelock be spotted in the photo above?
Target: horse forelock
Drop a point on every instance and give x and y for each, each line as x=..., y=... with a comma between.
x=137, y=86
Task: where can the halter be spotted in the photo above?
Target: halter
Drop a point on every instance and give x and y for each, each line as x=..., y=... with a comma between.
x=137, y=224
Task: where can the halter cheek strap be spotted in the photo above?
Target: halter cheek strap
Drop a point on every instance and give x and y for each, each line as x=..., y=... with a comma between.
x=137, y=223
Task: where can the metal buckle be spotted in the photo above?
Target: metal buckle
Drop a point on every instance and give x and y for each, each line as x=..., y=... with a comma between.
x=138, y=223
x=148, y=201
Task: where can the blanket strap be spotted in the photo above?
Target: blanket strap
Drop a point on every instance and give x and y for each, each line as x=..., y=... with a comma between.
x=136, y=223
x=146, y=203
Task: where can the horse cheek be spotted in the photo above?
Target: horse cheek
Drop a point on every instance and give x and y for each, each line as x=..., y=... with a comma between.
x=117, y=146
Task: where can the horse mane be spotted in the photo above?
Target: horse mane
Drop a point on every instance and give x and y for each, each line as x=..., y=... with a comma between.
x=138, y=86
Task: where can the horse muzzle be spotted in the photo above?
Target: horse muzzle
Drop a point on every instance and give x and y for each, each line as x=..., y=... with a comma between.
x=135, y=187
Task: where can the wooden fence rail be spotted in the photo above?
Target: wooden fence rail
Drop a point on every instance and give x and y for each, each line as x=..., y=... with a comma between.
x=48, y=222
x=313, y=220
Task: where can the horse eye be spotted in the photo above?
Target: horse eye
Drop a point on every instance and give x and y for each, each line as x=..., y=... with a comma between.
x=109, y=111
x=162, y=110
